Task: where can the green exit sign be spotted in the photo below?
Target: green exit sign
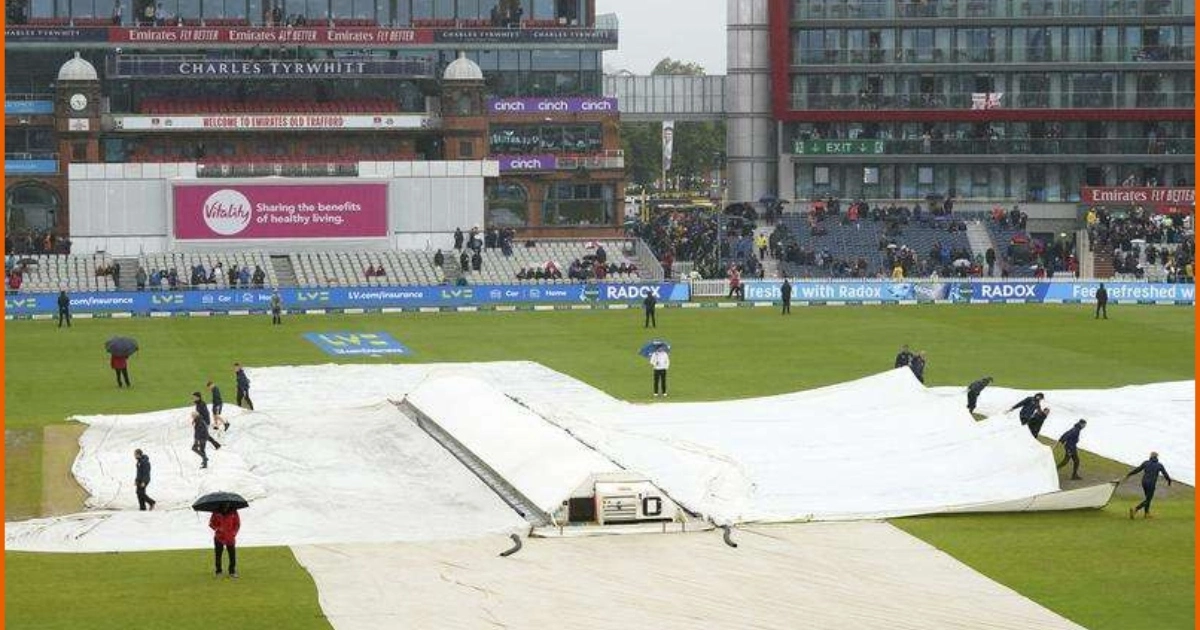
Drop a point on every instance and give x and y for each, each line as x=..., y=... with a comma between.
x=838, y=147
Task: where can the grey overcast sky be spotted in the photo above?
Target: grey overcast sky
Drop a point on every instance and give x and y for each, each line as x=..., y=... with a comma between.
x=688, y=30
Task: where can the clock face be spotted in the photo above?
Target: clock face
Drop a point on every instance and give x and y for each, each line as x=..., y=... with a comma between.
x=78, y=102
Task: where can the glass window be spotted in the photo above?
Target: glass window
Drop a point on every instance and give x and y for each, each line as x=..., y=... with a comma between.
x=569, y=203
x=507, y=205
x=542, y=10
x=555, y=60
x=422, y=9
x=443, y=9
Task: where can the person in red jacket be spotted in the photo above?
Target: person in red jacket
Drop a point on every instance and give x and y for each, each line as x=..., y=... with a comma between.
x=120, y=365
x=225, y=524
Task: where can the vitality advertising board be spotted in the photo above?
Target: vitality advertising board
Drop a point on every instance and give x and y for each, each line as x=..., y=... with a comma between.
x=236, y=211
x=145, y=302
x=999, y=291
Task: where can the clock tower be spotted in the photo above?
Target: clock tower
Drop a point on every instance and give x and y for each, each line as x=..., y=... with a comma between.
x=77, y=112
x=464, y=124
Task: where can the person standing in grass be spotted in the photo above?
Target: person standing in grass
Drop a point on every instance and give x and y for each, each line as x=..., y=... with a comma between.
x=1150, y=469
x=276, y=309
x=1070, y=442
x=64, y=309
x=785, y=291
x=243, y=387
x=225, y=524
x=660, y=361
x=648, y=305
x=120, y=365
x=142, y=480
x=1101, y=301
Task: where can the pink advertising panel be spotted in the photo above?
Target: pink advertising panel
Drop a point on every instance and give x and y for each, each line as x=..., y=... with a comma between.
x=240, y=211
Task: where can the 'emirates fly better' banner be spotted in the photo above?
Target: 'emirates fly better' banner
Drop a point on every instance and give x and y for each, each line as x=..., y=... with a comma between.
x=237, y=211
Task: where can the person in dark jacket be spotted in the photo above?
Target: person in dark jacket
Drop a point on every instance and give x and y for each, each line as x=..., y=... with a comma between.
x=1150, y=470
x=1033, y=415
x=243, y=387
x=648, y=305
x=1070, y=442
x=917, y=365
x=464, y=262
x=64, y=309
x=218, y=403
x=225, y=524
x=458, y=238
x=785, y=291
x=973, y=391
x=202, y=409
x=439, y=258
x=142, y=480
x=1101, y=301
x=904, y=357
x=200, y=438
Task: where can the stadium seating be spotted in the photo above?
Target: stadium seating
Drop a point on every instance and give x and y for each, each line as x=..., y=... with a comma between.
x=500, y=269
x=851, y=241
x=325, y=269
x=55, y=272
x=183, y=262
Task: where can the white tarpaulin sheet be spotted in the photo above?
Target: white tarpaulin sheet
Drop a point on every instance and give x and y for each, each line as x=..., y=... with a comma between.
x=852, y=576
x=326, y=458
x=543, y=462
x=312, y=474
x=1124, y=424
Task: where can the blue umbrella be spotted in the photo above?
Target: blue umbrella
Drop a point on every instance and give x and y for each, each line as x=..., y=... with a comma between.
x=651, y=345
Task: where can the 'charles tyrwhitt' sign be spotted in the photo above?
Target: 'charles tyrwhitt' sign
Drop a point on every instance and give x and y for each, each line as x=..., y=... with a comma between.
x=200, y=68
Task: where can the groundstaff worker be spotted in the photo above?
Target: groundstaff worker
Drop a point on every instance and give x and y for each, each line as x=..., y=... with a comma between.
x=142, y=480
x=1070, y=442
x=1150, y=470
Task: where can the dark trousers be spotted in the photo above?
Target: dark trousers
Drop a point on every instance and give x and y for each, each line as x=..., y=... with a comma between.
x=1148, y=490
x=1071, y=454
x=650, y=319
x=972, y=398
x=276, y=317
x=122, y=373
x=787, y=307
x=199, y=443
x=64, y=315
x=243, y=399
x=762, y=253
x=1035, y=423
x=1101, y=308
x=660, y=380
x=218, y=547
x=143, y=498
x=217, y=407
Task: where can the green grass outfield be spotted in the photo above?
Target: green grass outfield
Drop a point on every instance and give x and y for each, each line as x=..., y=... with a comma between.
x=1094, y=567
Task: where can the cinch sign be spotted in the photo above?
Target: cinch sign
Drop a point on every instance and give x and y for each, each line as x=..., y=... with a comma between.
x=573, y=105
x=252, y=211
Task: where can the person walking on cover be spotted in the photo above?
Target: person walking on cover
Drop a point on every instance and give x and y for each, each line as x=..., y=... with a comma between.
x=661, y=362
x=1032, y=412
x=1070, y=442
x=225, y=524
x=142, y=480
x=648, y=304
x=276, y=309
x=200, y=438
x=785, y=291
x=973, y=391
x=64, y=309
x=202, y=409
x=917, y=365
x=218, y=403
x=1150, y=470
x=1101, y=301
x=243, y=387
x=120, y=366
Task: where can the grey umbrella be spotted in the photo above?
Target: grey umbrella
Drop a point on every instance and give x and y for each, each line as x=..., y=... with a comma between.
x=121, y=346
x=213, y=501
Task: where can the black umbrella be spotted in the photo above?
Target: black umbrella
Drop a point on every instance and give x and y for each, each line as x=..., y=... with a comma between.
x=213, y=501
x=121, y=346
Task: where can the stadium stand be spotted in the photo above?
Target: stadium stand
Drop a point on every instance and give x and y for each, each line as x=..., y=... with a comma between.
x=326, y=269
x=183, y=263
x=51, y=272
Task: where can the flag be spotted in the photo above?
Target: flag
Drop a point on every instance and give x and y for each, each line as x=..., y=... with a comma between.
x=668, y=143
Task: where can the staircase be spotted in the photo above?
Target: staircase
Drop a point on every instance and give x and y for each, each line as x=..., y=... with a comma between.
x=127, y=281
x=451, y=270
x=1102, y=263
x=770, y=265
x=979, y=238
x=285, y=274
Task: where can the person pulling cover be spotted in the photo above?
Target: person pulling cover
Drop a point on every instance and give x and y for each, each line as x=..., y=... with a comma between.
x=1033, y=415
x=1070, y=442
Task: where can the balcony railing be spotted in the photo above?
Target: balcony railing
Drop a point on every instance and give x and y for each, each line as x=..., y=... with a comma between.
x=999, y=146
x=1078, y=99
x=917, y=9
x=591, y=162
x=267, y=168
x=998, y=54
